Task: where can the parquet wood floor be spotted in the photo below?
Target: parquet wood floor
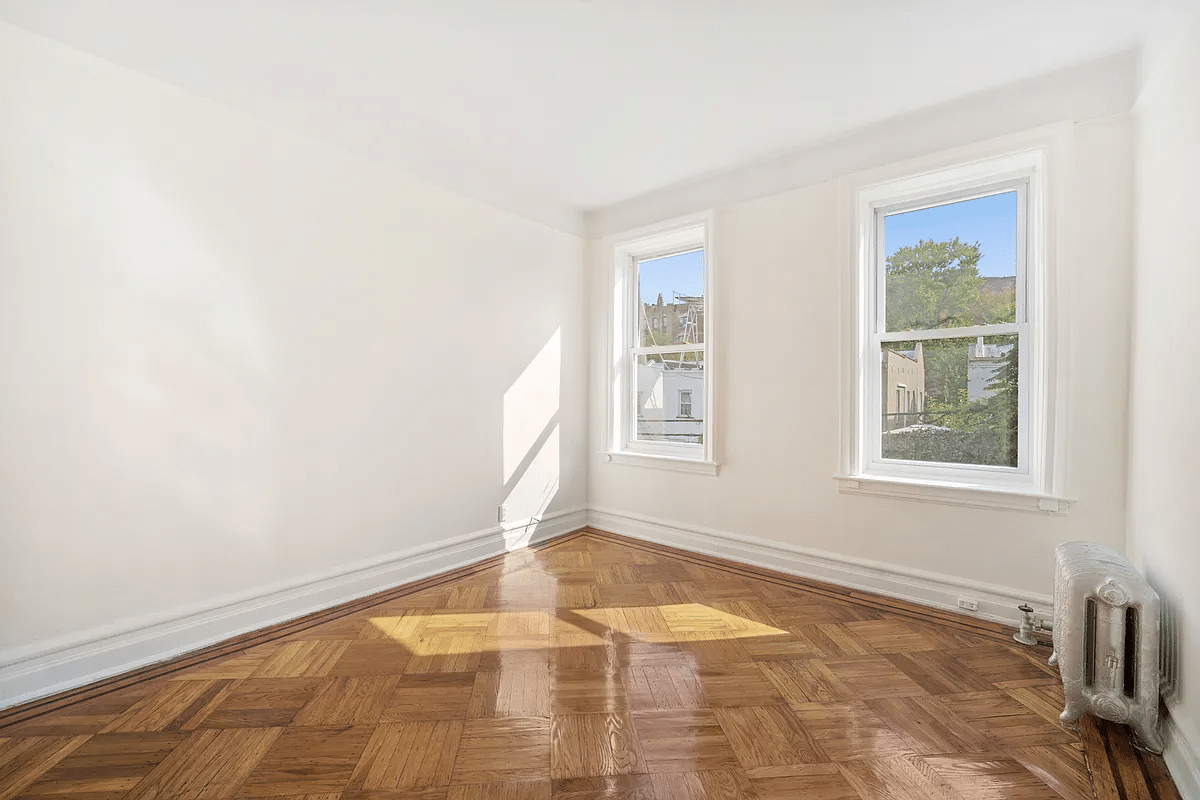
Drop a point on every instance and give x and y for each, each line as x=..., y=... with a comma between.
x=591, y=668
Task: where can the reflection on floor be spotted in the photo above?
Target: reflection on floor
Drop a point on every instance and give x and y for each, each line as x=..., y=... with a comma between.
x=592, y=668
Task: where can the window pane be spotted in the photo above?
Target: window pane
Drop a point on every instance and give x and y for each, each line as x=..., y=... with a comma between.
x=950, y=401
x=663, y=381
x=952, y=265
x=671, y=291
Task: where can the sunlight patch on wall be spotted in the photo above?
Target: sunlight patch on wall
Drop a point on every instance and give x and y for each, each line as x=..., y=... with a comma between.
x=531, y=444
x=530, y=404
x=531, y=496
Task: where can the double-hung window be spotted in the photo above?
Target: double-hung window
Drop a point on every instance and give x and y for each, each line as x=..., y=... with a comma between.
x=661, y=399
x=951, y=383
x=685, y=402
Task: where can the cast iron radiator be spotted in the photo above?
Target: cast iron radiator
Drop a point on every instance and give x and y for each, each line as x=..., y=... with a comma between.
x=1106, y=632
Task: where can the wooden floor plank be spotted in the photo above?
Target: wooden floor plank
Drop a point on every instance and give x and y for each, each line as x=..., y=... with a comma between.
x=683, y=740
x=590, y=745
x=1104, y=776
x=106, y=765
x=23, y=761
x=408, y=755
x=503, y=751
x=768, y=736
x=1061, y=767
x=590, y=667
x=208, y=765
x=307, y=761
x=810, y=781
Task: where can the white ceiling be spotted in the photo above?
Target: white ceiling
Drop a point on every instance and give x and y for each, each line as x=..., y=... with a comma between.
x=586, y=103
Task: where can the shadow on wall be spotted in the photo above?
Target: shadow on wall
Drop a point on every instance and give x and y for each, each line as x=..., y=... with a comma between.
x=531, y=467
x=1170, y=641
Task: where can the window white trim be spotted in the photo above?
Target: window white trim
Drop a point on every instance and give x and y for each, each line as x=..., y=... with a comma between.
x=677, y=236
x=934, y=180
x=669, y=463
x=952, y=495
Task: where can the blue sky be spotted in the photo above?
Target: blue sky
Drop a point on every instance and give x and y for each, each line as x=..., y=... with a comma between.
x=682, y=274
x=991, y=221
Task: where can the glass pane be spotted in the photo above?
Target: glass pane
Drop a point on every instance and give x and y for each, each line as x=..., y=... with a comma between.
x=670, y=397
x=671, y=290
x=952, y=265
x=950, y=401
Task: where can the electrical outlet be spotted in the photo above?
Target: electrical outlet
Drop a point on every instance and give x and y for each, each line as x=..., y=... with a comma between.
x=968, y=604
x=501, y=513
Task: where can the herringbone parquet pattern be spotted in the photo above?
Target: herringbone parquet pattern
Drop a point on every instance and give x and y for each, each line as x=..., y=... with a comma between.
x=591, y=669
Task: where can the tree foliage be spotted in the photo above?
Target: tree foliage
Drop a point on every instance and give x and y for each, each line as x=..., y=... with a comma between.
x=938, y=285
x=1004, y=388
x=655, y=338
x=932, y=285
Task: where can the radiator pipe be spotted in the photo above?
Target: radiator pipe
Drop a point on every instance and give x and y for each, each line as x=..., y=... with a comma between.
x=1024, y=634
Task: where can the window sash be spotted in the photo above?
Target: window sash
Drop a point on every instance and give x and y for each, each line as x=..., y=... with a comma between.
x=879, y=247
x=667, y=348
x=689, y=238
x=877, y=335
x=932, y=469
x=632, y=437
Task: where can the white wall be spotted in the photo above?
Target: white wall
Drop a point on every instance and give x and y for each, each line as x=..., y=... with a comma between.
x=232, y=357
x=1164, y=426
x=779, y=377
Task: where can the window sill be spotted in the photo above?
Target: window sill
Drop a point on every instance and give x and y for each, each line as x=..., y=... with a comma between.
x=955, y=494
x=670, y=463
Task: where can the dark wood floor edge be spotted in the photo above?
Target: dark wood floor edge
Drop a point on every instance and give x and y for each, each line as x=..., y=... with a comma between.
x=974, y=625
x=68, y=697
x=1118, y=769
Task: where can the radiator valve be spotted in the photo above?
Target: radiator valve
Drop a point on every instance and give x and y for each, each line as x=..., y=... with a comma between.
x=1024, y=634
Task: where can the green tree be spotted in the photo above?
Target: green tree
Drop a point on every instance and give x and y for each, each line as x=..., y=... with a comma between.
x=933, y=285
x=655, y=338
x=945, y=373
x=938, y=285
x=1004, y=386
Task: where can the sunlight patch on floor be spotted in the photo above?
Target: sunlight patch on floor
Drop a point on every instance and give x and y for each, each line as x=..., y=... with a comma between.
x=452, y=633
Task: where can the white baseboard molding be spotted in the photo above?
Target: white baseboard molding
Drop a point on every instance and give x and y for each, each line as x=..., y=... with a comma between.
x=1182, y=754
x=996, y=603
x=47, y=667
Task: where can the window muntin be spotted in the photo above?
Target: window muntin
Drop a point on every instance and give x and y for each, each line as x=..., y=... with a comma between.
x=952, y=313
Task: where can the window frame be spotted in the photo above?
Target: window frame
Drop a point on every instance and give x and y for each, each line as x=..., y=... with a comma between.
x=680, y=236
x=1025, y=169
x=682, y=403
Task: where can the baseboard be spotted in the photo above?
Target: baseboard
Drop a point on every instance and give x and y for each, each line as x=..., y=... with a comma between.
x=45, y=668
x=1182, y=755
x=996, y=603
